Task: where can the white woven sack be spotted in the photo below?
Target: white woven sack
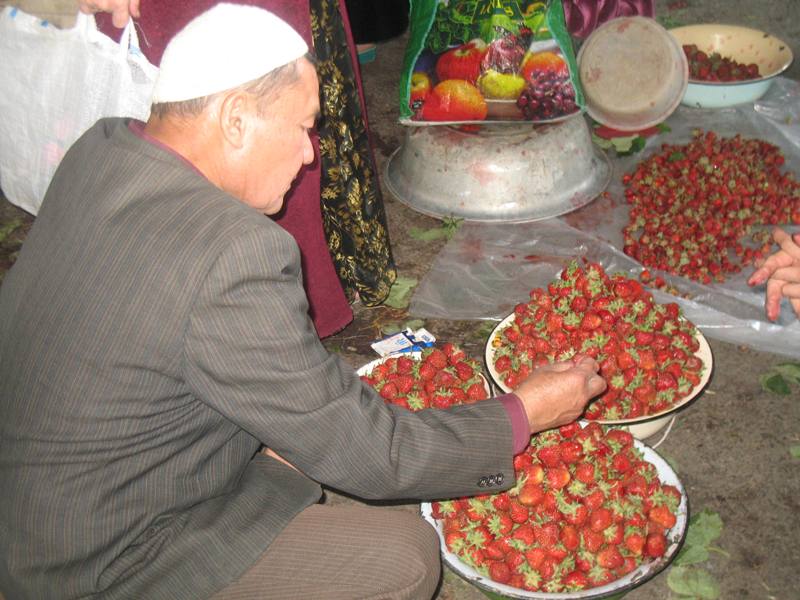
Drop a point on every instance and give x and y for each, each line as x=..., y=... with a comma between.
x=56, y=83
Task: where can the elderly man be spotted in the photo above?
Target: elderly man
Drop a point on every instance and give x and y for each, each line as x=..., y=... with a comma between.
x=153, y=335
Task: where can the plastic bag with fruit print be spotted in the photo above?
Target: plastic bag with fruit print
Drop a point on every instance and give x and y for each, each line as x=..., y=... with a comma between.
x=473, y=61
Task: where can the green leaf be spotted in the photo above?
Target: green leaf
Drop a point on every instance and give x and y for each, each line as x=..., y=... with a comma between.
x=485, y=329
x=400, y=294
x=775, y=383
x=790, y=371
x=694, y=583
x=6, y=229
x=663, y=128
x=413, y=324
x=703, y=528
x=669, y=22
x=451, y=226
x=794, y=451
x=676, y=156
x=391, y=328
x=691, y=555
x=427, y=235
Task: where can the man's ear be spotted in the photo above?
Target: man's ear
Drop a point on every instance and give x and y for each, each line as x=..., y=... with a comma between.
x=234, y=116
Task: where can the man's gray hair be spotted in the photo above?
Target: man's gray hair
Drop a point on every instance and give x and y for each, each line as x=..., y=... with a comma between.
x=264, y=88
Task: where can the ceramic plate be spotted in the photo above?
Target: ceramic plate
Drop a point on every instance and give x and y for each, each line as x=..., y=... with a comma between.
x=633, y=579
x=703, y=353
x=367, y=368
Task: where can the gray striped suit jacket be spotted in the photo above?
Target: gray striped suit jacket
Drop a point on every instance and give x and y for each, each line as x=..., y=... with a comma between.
x=153, y=333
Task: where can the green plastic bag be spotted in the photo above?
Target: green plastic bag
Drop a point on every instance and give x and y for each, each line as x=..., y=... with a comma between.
x=472, y=61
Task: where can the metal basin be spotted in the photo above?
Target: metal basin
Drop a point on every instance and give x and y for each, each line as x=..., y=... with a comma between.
x=500, y=172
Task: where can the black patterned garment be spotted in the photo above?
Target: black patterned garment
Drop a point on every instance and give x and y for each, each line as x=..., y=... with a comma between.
x=352, y=206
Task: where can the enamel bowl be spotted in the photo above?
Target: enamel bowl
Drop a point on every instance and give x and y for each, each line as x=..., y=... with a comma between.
x=745, y=45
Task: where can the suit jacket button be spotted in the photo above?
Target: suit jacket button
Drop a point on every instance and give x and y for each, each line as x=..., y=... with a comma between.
x=492, y=480
x=482, y=482
x=499, y=478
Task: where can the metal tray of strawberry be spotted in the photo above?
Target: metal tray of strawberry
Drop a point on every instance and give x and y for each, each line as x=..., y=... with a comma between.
x=434, y=377
x=594, y=512
x=653, y=360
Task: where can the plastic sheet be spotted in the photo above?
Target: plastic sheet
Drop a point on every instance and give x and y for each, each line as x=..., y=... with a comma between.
x=488, y=268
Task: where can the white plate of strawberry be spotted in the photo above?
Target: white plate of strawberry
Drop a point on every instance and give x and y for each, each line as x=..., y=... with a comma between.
x=436, y=377
x=594, y=512
x=654, y=360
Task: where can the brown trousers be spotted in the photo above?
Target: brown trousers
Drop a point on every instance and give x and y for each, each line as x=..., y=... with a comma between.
x=345, y=552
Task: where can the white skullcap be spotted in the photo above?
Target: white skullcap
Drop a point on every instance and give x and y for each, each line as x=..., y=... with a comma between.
x=226, y=46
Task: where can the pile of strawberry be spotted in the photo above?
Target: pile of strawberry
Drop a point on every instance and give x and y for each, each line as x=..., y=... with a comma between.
x=715, y=67
x=646, y=351
x=586, y=510
x=439, y=378
x=695, y=208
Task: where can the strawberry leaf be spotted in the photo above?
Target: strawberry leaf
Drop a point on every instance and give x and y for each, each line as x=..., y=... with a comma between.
x=427, y=235
x=693, y=583
x=703, y=529
x=790, y=371
x=8, y=228
x=774, y=383
x=691, y=555
x=794, y=451
x=400, y=294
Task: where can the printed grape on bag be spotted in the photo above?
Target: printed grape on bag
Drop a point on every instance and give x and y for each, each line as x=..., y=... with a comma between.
x=471, y=61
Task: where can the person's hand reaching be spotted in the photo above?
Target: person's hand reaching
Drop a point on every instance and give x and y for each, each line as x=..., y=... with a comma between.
x=121, y=10
x=781, y=272
x=557, y=394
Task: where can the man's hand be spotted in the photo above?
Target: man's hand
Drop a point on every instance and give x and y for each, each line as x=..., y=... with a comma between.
x=121, y=10
x=556, y=394
x=781, y=272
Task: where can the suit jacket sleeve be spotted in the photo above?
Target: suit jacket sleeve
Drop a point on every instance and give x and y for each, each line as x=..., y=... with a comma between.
x=252, y=354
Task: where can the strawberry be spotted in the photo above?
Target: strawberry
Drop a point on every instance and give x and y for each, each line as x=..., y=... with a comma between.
x=499, y=572
x=389, y=390
x=436, y=357
x=495, y=550
x=557, y=477
x=405, y=365
x=500, y=524
x=663, y=516
x=476, y=392
x=547, y=534
x=570, y=537
x=575, y=580
x=571, y=451
x=525, y=534
x=404, y=383
x=584, y=472
x=610, y=558
x=550, y=456
x=592, y=540
x=634, y=542
x=655, y=545
x=519, y=512
x=600, y=519
x=590, y=321
x=464, y=371
x=427, y=371
x=535, y=556
x=531, y=494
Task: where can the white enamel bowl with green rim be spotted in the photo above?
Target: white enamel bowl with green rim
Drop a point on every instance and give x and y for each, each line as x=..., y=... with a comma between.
x=640, y=427
x=742, y=44
x=633, y=579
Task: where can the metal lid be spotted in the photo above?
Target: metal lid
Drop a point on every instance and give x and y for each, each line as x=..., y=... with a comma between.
x=633, y=73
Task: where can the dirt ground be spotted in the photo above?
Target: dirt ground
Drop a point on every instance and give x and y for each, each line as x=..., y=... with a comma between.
x=730, y=448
